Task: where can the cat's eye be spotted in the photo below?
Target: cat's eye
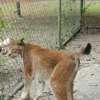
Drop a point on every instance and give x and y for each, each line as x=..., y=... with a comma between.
x=13, y=49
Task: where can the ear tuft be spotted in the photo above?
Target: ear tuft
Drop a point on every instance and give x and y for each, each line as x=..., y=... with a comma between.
x=21, y=42
x=22, y=39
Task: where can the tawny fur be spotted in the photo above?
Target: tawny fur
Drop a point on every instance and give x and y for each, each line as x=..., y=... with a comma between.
x=60, y=66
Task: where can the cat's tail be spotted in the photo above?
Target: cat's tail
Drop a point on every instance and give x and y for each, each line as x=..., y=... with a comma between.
x=83, y=51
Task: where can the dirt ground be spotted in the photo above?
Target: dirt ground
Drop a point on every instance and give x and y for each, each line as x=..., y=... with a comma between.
x=87, y=81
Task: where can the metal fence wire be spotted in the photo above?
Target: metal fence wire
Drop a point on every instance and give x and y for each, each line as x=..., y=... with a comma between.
x=91, y=16
x=70, y=19
x=37, y=21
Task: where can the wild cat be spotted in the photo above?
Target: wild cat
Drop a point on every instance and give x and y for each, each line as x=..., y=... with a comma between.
x=60, y=66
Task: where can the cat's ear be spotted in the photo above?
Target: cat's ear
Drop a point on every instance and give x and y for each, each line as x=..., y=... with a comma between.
x=21, y=43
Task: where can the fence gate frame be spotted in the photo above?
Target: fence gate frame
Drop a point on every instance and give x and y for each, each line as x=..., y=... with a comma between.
x=82, y=8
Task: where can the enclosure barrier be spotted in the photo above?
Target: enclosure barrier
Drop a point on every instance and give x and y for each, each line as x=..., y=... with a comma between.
x=48, y=23
x=91, y=16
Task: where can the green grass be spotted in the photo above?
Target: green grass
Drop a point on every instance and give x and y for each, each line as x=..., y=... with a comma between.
x=45, y=9
x=93, y=8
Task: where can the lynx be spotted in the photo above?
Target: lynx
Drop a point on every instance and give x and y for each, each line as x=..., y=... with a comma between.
x=59, y=66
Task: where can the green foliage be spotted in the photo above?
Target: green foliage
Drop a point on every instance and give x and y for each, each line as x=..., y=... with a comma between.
x=1, y=60
x=2, y=89
x=2, y=26
x=55, y=47
x=1, y=96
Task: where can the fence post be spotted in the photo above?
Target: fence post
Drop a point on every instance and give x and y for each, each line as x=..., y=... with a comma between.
x=84, y=5
x=59, y=23
x=81, y=10
x=18, y=9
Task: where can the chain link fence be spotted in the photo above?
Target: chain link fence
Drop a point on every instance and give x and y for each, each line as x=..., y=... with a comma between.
x=91, y=16
x=70, y=18
x=37, y=21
